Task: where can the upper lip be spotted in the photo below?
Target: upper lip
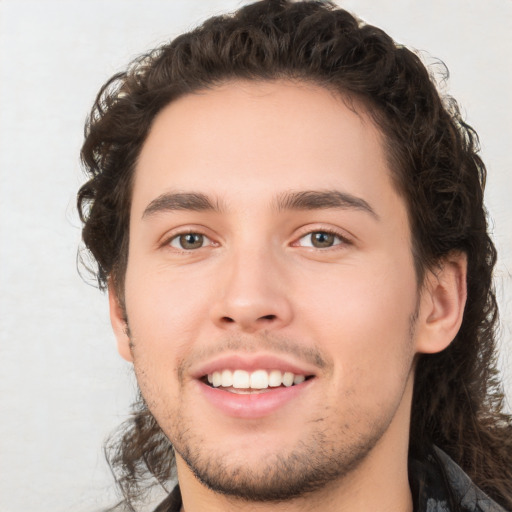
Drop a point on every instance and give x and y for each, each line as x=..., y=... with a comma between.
x=250, y=363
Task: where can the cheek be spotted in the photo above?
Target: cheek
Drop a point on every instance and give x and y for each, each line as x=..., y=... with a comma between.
x=354, y=299
x=363, y=318
x=163, y=313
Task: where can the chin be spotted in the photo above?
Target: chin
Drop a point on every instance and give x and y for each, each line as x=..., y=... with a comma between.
x=271, y=471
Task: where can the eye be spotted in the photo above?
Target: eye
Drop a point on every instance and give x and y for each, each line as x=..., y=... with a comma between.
x=320, y=240
x=189, y=241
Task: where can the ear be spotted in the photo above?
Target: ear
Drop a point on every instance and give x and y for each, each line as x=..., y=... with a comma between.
x=119, y=323
x=442, y=302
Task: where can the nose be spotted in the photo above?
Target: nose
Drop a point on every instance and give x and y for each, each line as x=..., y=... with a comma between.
x=251, y=294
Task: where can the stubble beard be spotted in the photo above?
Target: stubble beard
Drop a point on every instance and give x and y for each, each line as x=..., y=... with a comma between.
x=321, y=459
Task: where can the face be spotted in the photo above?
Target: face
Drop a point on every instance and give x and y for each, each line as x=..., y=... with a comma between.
x=270, y=288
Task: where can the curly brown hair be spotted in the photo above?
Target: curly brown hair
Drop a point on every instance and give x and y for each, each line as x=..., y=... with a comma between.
x=458, y=400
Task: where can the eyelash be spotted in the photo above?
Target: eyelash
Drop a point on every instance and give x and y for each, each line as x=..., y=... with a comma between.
x=341, y=240
x=177, y=236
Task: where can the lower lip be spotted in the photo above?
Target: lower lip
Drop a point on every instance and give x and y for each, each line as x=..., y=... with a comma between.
x=252, y=405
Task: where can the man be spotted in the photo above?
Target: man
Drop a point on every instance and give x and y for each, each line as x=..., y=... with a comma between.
x=290, y=224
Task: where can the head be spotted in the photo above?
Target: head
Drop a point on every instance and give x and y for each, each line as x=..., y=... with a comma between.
x=426, y=160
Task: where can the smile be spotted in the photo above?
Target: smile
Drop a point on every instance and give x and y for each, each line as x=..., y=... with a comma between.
x=240, y=380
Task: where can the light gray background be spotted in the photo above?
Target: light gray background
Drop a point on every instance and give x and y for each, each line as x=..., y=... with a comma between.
x=62, y=385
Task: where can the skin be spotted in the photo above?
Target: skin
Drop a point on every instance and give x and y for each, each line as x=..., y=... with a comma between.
x=351, y=315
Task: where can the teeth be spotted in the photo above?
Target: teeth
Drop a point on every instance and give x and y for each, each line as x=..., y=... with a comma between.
x=297, y=379
x=288, y=379
x=216, y=379
x=227, y=379
x=241, y=379
x=259, y=379
x=275, y=378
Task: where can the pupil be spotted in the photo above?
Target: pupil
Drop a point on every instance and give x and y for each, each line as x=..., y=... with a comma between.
x=191, y=241
x=322, y=239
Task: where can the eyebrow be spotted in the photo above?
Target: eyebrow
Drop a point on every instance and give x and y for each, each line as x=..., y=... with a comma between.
x=191, y=201
x=302, y=200
x=322, y=200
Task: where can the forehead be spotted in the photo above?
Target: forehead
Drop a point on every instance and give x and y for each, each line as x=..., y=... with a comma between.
x=250, y=140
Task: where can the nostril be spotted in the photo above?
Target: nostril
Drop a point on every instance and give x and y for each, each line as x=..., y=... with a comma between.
x=246, y=322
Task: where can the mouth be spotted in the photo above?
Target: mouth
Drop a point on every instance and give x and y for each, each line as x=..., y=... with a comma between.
x=250, y=382
x=255, y=386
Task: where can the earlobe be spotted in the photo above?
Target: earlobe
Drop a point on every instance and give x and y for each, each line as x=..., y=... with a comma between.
x=119, y=324
x=442, y=304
